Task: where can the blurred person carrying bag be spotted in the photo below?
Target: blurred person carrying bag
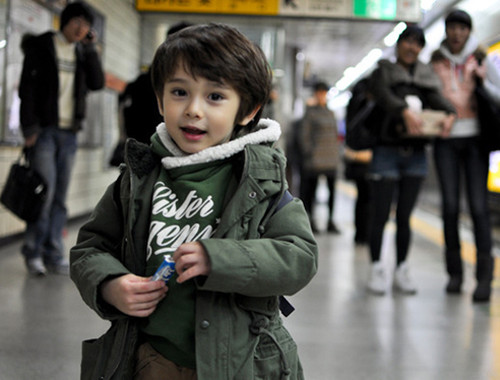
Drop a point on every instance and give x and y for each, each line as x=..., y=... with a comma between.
x=361, y=117
x=25, y=190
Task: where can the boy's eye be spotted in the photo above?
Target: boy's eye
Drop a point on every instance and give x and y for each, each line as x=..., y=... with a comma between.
x=178, y=92
x=215, y=97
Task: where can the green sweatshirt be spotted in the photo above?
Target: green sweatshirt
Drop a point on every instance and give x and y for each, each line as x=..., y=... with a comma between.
x=186, y=206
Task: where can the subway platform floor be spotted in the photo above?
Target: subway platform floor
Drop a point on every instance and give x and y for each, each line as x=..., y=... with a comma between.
x=342, y=331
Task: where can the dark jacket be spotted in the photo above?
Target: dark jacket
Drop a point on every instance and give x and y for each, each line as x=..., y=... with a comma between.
x=256, y=254
x=140, y=109
x=390, y=83
x=39, y=85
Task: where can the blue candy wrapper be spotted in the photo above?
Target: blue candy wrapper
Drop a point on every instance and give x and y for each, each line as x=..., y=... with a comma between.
x=165, y=270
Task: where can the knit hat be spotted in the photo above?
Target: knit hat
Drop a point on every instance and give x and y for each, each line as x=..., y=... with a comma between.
x=459, y=16
x=76, y=9
x=413, y=32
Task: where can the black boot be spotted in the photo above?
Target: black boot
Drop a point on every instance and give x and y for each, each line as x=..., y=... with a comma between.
x=455, y=271
x=484, y=276
x=454, y=285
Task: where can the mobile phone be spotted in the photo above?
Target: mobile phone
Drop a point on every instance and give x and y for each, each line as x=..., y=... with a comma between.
x=89, y=36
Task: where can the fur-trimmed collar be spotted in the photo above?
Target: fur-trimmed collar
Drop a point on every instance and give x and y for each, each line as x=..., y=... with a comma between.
x=267, y=131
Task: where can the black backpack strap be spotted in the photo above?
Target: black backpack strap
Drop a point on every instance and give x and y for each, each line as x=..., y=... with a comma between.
x=285, y=199
x=285, y=306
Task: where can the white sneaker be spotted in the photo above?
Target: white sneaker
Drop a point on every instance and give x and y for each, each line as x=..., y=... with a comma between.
x=36, y=267
x=61, y=267
x=402, y=280
x=378, y=279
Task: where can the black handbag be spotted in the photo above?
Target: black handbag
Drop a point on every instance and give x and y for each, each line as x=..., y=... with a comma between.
x=25, y=190
x=488, y=112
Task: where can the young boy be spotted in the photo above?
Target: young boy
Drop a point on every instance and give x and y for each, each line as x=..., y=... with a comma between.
x=210, y=191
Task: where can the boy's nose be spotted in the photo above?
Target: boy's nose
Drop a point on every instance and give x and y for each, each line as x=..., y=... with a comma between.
x=193, y=109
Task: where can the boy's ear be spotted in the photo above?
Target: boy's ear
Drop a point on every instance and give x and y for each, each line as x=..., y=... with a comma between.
x=160, y=105
x=247, y=119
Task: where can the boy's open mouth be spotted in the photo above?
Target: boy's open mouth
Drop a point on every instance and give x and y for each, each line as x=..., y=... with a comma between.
x=192, y=131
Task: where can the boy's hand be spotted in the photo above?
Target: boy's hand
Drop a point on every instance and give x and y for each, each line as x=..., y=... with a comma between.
x=191, y=261
x=133, y=295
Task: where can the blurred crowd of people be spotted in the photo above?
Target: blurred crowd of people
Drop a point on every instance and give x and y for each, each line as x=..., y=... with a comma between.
x=412, y=107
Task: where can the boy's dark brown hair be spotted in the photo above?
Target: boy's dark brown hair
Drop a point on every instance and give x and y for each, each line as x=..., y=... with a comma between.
x=219, y=53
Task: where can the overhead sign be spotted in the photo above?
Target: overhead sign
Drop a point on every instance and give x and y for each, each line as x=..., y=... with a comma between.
x=316, y=8
x=382, y=9
x=247, y=7
x=406, y=10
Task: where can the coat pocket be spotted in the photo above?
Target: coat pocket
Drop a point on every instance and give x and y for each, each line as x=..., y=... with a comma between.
x=111, y=357
x=276, y=357
x=92, y=366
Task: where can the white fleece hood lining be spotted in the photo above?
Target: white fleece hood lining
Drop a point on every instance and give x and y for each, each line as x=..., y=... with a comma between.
x=269, y=132
x=458, y=59
x=470, y=46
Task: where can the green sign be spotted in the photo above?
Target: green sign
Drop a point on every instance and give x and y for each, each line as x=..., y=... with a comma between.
x=377, y=9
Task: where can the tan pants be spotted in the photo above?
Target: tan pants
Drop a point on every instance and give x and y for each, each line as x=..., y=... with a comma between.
x=151, y=365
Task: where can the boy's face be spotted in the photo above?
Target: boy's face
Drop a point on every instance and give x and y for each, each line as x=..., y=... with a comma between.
x=407, y=51
x=457, y=35
x=76, y=29
x=321, y=97
x=199, y=113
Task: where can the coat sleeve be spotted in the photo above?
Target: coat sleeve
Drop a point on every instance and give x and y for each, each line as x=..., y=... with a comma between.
x=27, y=93
x=382, y=92
x=94, y=258
x=282, y=261
x=94, y=74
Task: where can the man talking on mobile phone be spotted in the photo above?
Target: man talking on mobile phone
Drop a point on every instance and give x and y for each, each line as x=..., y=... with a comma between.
x=59, y=69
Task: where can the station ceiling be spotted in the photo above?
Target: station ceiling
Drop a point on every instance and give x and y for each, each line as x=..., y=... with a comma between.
x=330, y=46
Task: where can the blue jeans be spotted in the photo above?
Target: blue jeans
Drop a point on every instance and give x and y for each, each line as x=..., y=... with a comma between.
x=395, y=162
x=451, y=156
x=52, y=156
x=395, y=170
